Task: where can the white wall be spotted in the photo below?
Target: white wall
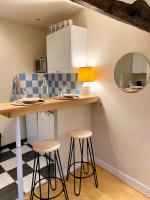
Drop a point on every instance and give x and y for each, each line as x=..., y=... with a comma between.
x=68, y=119
x=19, y=46
x=121, y=126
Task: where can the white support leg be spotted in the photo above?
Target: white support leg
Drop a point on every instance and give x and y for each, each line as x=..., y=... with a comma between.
x=19, y=160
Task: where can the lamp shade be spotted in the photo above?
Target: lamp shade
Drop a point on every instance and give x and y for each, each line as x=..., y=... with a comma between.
x=88, y=74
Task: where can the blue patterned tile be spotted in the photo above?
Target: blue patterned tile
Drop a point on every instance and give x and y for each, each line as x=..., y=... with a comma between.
x=60, y=77
x=50, y=90
x=68, y=77
x=60, y=84
x=56, y=84
x=35, y=90
x=78, y=91
x=56, y=91
x=35, y=77
x=53, y=95
x=49, y=83
x=46, y=76
x=29, y=96
x=49, y=77
x=40, y=83
x=73, y=85
x=64, y=83
x=53, y=90
x=53, y=77
x=22, y=77
x=28, y=83
x=53, y=83
x=68, y=91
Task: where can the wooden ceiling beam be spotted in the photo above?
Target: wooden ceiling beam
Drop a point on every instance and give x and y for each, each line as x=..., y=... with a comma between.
x=136, y=14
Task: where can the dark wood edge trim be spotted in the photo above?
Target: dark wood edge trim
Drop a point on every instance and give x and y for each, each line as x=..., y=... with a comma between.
x=136, y=14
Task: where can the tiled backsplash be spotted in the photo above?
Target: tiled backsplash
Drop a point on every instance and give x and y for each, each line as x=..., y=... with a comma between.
x=56, y=82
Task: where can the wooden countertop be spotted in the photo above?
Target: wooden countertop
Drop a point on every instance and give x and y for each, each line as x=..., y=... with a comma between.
x=8, y=110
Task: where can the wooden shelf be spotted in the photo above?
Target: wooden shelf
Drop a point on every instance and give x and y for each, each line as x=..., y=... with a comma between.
x=8, y=110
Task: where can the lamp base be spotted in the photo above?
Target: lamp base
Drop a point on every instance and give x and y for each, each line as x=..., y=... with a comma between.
x=86, y=90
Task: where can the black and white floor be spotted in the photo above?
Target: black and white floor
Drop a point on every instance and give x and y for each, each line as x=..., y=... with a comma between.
x=8, y=171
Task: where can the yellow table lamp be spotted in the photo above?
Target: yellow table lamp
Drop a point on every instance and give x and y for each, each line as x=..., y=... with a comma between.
x=86, y=75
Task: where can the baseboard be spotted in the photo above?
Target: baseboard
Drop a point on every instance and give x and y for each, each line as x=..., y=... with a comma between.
x=124, y=177
x=12, y=145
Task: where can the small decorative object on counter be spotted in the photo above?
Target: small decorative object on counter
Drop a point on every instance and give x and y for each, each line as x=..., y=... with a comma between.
x=121, y=81
x=15, y=94
x=44, y=92
x=139, y=83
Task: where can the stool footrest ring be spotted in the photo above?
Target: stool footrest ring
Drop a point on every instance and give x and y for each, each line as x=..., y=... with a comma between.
x=46, y=178
x=86, y=175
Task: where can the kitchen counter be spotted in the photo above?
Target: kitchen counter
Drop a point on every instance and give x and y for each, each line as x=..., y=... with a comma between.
x=68, y=117
x=8, y=110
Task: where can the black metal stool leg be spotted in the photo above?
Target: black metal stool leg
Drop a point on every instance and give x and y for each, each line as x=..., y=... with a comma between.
x=70, y=158
x=90, y=148
x=74, y=165
x=87, y=163
x=39, y=171
x=48, y=161
x=54, y=175
x=58, y=162
x=81, y=168
x=48, y=170
x=34, y=175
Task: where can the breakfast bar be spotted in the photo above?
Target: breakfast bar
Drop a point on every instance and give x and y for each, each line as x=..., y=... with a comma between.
x=52, y=104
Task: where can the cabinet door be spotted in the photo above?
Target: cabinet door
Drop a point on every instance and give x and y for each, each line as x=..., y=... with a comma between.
x=79, y=46
x=145, y=66
x=59, y=50
x=46, y=125
x=139, y=64
x=32, y=128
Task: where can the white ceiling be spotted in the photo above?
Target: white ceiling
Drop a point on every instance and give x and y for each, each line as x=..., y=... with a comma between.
x=48, y=11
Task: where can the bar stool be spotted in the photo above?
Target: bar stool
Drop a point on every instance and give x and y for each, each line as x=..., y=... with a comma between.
x=47, y=147
x=83, y=136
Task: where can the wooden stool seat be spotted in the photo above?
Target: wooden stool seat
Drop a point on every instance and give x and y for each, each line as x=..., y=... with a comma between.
x=81, y=134
x=47, y=145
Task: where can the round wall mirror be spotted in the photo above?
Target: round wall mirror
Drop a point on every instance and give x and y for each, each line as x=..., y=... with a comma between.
x=132, y=72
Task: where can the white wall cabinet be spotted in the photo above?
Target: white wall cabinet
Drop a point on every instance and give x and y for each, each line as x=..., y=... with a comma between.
x=67, y=48
x=139, y=64
x=40, y=126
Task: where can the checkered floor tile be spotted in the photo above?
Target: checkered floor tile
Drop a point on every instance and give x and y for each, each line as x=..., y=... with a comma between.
x=8, y=171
